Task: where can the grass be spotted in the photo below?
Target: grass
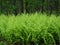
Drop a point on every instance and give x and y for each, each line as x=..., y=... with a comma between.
x=29, y=29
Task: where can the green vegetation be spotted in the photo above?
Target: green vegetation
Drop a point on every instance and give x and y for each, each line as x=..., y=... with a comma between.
x=19, y=6
x=29, y=29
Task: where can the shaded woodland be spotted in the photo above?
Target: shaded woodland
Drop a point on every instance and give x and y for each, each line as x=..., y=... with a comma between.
x=29, y=6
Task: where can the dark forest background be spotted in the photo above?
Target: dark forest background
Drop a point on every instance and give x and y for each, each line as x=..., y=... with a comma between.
x=29, y=6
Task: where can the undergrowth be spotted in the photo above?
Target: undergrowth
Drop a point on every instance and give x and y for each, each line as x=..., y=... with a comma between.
x=29, y=29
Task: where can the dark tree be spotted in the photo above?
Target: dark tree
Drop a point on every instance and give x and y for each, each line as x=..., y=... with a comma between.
x=21, y=6
x=14, y=4
x=0, y=6
x=42, y=7
x=57, y=6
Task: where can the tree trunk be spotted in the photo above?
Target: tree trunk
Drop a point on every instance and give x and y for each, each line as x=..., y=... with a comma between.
x=57, y=7
x=15, y=10
x=0, y=5
x=21, y=6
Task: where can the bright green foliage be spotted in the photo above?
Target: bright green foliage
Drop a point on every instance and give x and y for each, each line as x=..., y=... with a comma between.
x=28, y=29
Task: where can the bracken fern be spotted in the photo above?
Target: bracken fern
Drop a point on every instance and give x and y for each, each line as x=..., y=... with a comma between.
x=30, y=29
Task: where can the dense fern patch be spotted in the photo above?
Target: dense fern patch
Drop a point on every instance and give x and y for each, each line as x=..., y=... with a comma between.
x=30, y=29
